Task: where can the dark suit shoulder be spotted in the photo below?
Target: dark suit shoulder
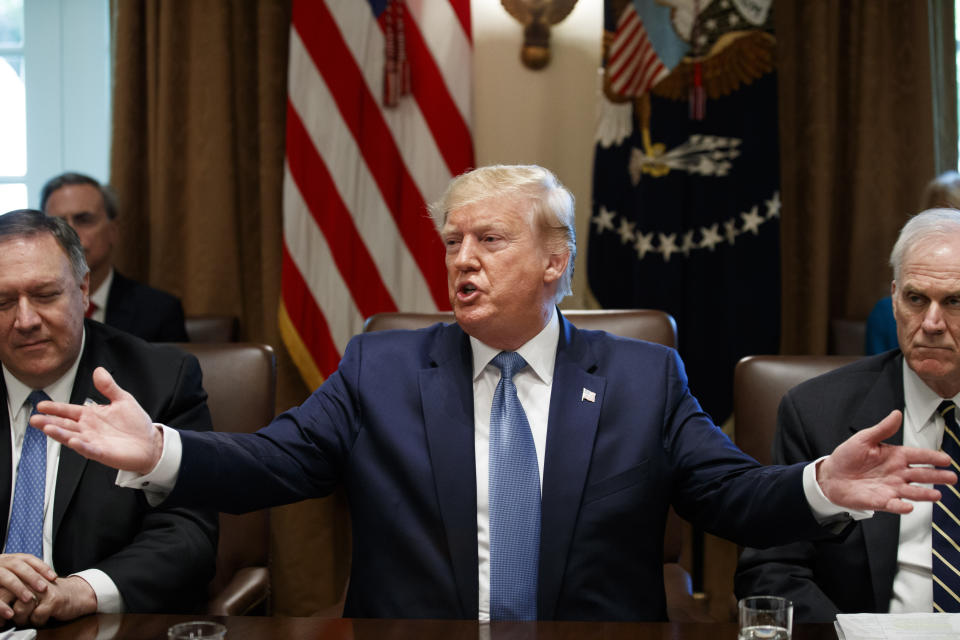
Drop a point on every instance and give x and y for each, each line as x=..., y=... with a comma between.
x=152, y=314
x=845, y=380
x=126, y=287
x=414, y=347
x=614, y=343
x=405, y=338
x=104, y=339
x=165, y=379
x=602, y=352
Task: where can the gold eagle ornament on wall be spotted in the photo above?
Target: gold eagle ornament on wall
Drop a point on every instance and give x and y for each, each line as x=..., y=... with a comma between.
x=537, y=16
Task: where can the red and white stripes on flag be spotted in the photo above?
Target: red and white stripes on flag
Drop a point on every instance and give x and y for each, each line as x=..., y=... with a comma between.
x=357, y=238
x=633, y=65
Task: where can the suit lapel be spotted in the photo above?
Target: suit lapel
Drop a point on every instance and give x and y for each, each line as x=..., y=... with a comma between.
x=572, y=425
x=120, y=313
x=881, y=533
x=72, y=464
x=6, y=466
x=446, y=395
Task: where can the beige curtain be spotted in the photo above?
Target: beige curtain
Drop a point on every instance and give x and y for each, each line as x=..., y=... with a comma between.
x=859, y=138
x=197, y=161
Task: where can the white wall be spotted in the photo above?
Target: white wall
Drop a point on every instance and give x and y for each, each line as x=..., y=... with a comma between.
x=542, y=117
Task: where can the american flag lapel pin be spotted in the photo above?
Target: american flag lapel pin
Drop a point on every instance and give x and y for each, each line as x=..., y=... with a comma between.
x=589, y=396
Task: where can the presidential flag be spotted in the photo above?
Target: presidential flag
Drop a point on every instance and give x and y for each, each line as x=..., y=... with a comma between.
x=686, y=205
x=378, y=122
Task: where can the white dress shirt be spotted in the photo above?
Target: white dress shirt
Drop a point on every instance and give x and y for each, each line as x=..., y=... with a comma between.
x=922, y=428
x=18, y=412
x=99, y=298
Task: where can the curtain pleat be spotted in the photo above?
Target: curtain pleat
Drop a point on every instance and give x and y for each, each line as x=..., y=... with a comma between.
x=199, y=103
x=857, y=146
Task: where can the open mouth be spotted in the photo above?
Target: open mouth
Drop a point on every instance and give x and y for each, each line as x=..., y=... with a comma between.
x=467, y=291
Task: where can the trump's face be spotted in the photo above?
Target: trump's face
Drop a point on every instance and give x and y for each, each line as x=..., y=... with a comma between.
x=926, y=306
x=501, y=278
x=41, y=309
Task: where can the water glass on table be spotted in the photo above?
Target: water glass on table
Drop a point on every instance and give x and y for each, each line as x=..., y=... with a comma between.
x=765, y=618
x=197, y=630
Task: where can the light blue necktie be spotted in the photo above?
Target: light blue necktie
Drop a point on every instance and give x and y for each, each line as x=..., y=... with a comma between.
x=25, y=533
x=514, y=494
x=946, y=532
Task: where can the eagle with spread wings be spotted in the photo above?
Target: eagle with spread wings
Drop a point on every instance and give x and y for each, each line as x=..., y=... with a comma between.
x=537, y=16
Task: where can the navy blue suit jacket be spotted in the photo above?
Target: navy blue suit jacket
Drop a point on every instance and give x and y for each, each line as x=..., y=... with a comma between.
x=853, y=573
x=148, y=313
x=160, y=559
x=394, y=427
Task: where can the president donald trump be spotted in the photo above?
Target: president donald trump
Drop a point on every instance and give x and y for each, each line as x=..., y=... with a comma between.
x=507, y=466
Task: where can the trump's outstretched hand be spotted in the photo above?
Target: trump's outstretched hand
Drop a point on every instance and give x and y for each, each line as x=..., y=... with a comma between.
x=865, y=473
x=120, y=434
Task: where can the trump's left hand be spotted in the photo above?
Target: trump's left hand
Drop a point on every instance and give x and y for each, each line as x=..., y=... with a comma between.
x=866, y=474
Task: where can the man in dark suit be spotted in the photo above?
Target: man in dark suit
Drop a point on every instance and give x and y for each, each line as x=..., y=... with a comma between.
x=884, y=563
x=91, y=209
x=602, y=436
x=98, y=547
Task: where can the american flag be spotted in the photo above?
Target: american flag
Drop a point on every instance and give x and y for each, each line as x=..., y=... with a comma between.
x=633, y=64
x=378, y=122
x=644, y=48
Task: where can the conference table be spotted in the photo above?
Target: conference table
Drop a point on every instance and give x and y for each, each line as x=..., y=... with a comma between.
x=154, y=627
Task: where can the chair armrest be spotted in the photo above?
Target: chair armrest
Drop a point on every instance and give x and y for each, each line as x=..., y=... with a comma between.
x=248, y=589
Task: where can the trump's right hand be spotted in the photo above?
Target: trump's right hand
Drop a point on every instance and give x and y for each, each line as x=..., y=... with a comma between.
x=120, y=434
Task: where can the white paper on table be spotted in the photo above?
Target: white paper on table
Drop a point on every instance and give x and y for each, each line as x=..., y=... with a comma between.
x=18, y=634
x=897, y=626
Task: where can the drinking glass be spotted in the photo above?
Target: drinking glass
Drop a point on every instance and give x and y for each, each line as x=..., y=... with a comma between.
x=197, y=630
x=765, y=618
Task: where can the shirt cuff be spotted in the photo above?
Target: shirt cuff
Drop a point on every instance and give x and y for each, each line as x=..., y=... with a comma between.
x=824, y=510
x=109, y=599
x=157, y=484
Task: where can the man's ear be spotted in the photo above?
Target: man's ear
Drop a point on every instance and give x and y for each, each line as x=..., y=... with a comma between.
x=893, y=288
x=556, y=266
x=85, y=290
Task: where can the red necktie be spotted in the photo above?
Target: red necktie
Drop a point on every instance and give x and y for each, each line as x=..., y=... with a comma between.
x=91, y=309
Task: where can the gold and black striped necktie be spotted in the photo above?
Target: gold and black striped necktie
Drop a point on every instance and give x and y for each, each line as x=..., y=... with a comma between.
x=946, y=522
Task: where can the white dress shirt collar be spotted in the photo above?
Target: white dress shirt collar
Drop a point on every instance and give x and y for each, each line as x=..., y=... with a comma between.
x=920, y=402
x=99, y=297
x=540, y=352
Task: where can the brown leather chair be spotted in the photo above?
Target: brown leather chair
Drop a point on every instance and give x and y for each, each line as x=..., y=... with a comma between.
x=212, y=328
x=645, y=324
x=241, y=384
x=759, y=382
